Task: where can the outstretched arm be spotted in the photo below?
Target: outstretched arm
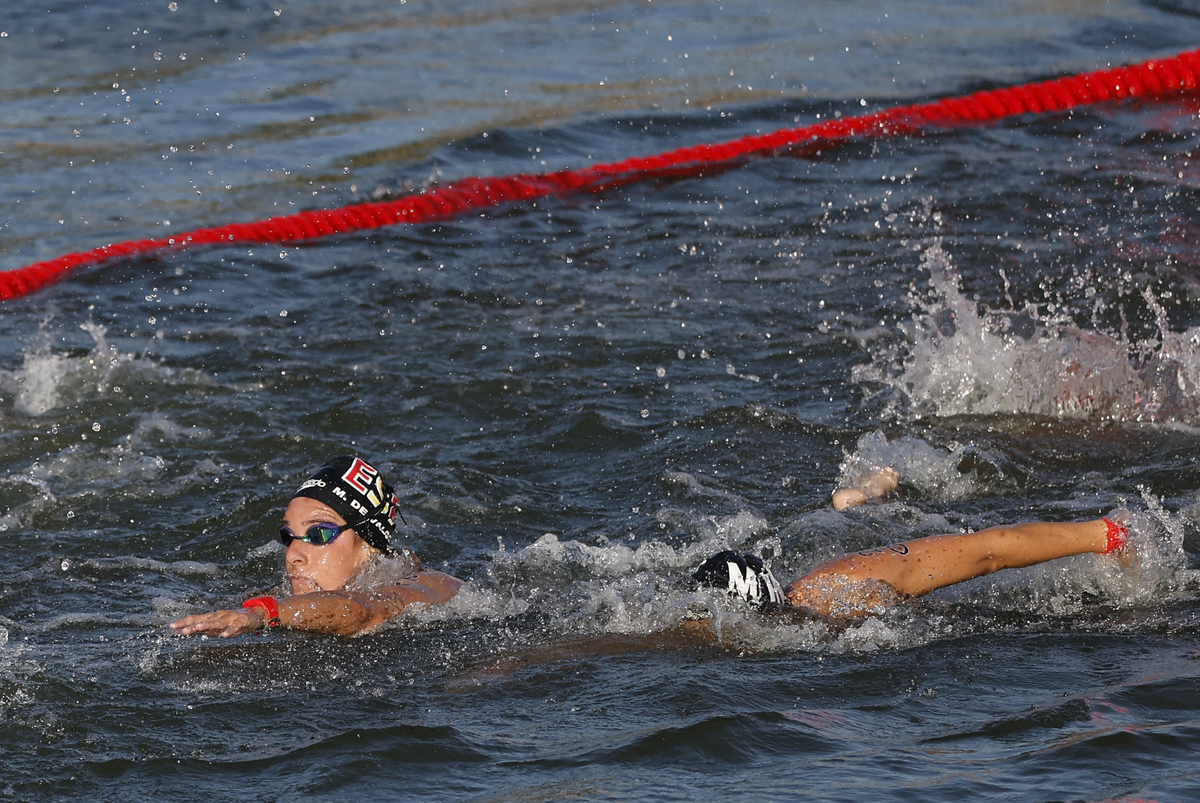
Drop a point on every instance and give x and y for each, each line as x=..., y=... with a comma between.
x=343, y=613
x=917, y=567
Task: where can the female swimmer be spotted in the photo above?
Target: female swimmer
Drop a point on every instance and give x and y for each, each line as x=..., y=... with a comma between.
x=345, y=577
x=868, y=581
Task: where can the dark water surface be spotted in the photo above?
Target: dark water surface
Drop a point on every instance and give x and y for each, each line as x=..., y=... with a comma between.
x=580, y=399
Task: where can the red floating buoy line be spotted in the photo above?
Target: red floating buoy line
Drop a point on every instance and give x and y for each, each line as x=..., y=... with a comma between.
x=1156, y=79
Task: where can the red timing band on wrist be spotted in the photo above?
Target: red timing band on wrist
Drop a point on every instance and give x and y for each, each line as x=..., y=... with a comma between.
x=1118, y=536
x=269, y=605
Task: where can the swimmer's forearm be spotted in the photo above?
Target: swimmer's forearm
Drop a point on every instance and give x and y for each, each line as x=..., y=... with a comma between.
x=343, y=613
x=333, y=612
x=1027, y=544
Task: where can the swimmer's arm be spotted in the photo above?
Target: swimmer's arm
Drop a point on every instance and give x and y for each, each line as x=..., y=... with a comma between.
x=349, y=613
x=917, y=567
x=345, y=613
x=848, y=497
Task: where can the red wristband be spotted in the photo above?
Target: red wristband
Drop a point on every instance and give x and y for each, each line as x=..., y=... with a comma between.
x=1118, y=537
x=269, y=605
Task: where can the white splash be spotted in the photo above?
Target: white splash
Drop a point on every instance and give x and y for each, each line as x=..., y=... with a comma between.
x=962, y=362
x=49, y=380
x=940, y=473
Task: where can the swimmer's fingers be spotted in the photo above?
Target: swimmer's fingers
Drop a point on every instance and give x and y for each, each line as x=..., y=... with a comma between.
x=880, y=482
x=219, y=623
x=193, y=625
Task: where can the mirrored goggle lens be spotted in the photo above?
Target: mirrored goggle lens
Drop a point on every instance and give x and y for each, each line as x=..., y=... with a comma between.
x=319, y=534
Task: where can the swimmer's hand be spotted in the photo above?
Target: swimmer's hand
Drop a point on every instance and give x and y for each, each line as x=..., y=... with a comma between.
x=878, y=483
x=221, y=623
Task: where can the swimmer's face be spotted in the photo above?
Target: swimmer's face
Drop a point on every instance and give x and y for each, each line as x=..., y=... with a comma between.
x=321, y=568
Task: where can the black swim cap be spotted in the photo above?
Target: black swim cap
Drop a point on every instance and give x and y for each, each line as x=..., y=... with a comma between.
x=356, y=491
x=742, y=575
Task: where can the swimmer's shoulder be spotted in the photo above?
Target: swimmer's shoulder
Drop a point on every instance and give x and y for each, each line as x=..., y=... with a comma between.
x=432, y=586
x=436, y=578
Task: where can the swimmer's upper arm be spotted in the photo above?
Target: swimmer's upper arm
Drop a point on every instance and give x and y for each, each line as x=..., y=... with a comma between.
x=913, y=568
x=350, y=613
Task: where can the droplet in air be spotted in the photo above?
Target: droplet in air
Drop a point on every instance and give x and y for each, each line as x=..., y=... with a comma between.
x=173, y=6
x=645, y=413
x=158, y=55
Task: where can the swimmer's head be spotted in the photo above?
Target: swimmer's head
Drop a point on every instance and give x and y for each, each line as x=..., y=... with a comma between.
x=356, y=491
x=741, y=575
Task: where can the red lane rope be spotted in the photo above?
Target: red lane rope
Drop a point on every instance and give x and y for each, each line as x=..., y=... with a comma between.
x=1155, y=79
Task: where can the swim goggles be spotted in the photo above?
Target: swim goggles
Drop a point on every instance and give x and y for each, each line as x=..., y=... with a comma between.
x=318, y=534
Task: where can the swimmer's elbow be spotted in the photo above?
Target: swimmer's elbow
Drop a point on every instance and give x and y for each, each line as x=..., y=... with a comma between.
x=450, y=590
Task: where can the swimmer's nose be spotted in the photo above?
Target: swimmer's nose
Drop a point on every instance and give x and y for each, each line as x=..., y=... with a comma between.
x=295, y=554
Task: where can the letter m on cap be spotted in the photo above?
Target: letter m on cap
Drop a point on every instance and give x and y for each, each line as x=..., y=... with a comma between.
x=360, y=476
x=744, y=586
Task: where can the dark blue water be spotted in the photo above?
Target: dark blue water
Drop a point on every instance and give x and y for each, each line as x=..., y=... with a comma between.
x=580, y=399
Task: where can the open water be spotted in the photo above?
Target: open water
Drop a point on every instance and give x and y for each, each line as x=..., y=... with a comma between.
x=580, y=399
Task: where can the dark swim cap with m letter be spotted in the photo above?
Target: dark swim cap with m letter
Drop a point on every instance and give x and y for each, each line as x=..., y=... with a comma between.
x=356, y=491
x=741, y=575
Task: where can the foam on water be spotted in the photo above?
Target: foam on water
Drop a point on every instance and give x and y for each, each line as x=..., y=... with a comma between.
x=56, y=486
x=549, y=553
x=65, y=481
x=17, y=674
x=24, y=497
x=961, y=361
x=49, y=380
x=183, y=568
x=959, y=473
